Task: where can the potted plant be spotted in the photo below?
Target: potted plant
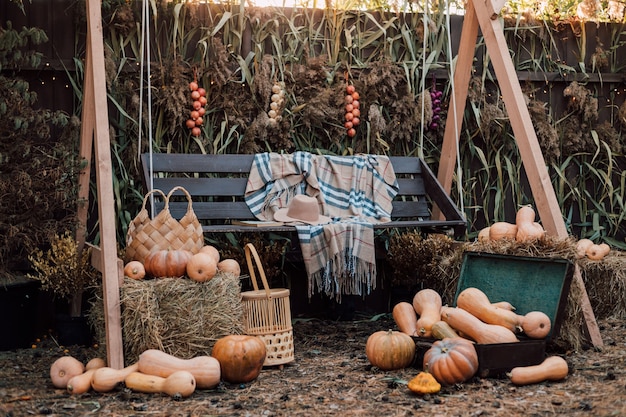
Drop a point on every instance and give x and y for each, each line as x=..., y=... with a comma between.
x=66, y=273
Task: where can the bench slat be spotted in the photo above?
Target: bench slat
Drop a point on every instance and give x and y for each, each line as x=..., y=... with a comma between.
x=218, y=183
x=239, y=210
x=222, y=186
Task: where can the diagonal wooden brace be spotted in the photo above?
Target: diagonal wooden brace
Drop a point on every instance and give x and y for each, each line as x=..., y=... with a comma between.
x=480, y=14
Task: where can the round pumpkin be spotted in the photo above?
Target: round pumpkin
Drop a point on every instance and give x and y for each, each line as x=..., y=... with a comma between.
x=211, y=250
x=134, y=270
x=451, y=360
x=230, y=266
x=390, y=350
x=241, y=357
x=201, y=267
x=167, y=263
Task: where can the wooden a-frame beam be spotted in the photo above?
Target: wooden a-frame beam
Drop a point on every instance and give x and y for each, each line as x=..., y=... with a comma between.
x=95, y=130
x=483, y=14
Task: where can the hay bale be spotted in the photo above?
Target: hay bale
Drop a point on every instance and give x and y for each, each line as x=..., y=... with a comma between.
x=176, y=315
x=605, y=281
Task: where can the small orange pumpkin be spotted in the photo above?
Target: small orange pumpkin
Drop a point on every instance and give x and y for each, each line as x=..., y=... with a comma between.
x=134, y=270
x=424, y=383
x=390, y=350
x=211, y=250
x=201, y=267
x=167, y=263
x=229, y=266
x=241, y=357
x=451, y=360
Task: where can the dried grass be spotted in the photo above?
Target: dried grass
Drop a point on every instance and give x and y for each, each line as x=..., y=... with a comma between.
x=605, y=282
x=178, y=316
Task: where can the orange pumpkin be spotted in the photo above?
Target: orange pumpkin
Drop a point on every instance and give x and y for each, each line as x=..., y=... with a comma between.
x=211, y=250
x=390, y=350
x=167, y=263
x=241, y=357
x=201, y=267
x=134, y=270
x=229, y=266
x=451, y=360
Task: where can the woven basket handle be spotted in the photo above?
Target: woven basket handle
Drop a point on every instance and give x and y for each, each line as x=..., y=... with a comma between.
x=149, y=193
x=251, y=251
x=178, y=187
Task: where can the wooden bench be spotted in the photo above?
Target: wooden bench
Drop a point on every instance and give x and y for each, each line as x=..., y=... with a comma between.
x=217, y=184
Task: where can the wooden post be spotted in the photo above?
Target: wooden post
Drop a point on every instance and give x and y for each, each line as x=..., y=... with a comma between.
x=95, y=125
x=521, y=123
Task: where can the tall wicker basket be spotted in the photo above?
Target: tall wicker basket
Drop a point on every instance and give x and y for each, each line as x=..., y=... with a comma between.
x=267, y=314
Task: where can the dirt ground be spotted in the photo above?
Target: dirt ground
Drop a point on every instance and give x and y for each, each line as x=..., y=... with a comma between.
x=331, y=376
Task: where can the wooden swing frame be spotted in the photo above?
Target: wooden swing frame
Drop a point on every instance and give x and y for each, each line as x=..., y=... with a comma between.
x=481, y=14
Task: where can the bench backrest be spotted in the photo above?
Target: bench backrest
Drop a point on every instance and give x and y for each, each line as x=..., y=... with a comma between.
x=218, y=183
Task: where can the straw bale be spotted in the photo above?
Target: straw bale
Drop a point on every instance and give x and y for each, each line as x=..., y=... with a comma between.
x=605, y=282
x=176, y=315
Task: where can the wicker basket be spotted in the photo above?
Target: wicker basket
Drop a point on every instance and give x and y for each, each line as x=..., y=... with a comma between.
x=146, y=235
x=267, y=314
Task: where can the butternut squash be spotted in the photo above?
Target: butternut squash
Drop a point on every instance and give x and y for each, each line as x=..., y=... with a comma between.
x=529, y=231
x=95, y=363
x=483, y=235
x=440, y=330
x=581, y=247
x=205, y=369
x=470, y=326
x=534, y=324
x=406, y=318
x=179, y=383
x=525, y=214
x=106, y=379
x=502, y=230
x=553, y=368
x=505, y=305
x=427, y=304
x=80, y=384
x=598, y=252
x=476, y=302
x=63, y=369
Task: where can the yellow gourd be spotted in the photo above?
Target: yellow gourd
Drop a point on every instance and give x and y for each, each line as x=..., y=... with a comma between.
x=553, y=368
x=424, y=383
x=179, y=383
x=205, y=369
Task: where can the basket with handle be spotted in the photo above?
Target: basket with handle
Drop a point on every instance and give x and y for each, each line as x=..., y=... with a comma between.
x=146, y=235
x=267, y=314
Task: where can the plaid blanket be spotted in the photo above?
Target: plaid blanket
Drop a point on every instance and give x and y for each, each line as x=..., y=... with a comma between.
x=355, y=192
